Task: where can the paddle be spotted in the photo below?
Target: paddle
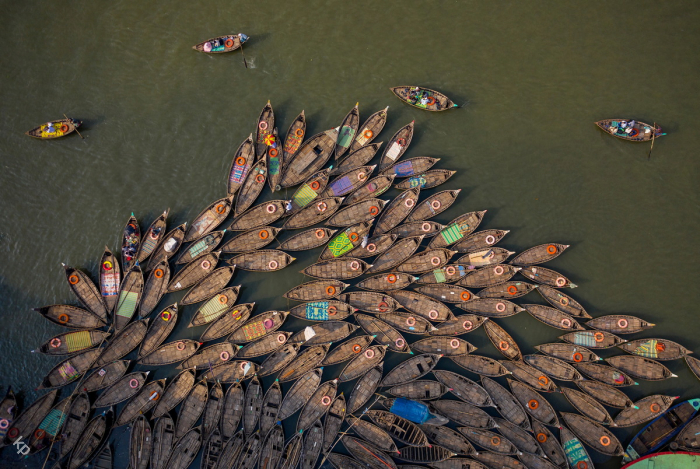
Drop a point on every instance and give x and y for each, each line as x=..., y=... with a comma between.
x=652, y=142
x=76, y=129
x=244, y=60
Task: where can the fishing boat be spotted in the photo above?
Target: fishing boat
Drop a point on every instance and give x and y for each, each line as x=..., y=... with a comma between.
x=605, y=393
x=569, y=352
x=130, y=242
x=549, y=444
x=426, y=180
x=304, y=362
x=104, y=377
x=233, y=447
x=316, y=290
x=345, y=241
x=71, y=317
x=185, y=450
x=343, y=268
x=127, y=387
x=645, y=409
x=274, y=162
x=271, y=447
x=406, y=322
x=553, y=367
x=503, y=341
x=194, y=272
x=385, y=334
x=251, y=240
x=587, y=406
x=694, y=365
x=212, y=450
x=688, y=439
x=232, y=412
x=491, y=307
x=309, y=239
x=596, y=436
x=252, y=404
x=77, y=416
x=54, y=129
x=375, y=246
x=539, y=254
x=264, y=127
x=200, y=246
x=311, y=449
x=267, y=344
x=506, y=403
x=449, y=439
x=154, y=288
x=333, y=421
x=347, y=131
x=489, y=441
x=534, y=404
x=221, y=44
x=171, y=352
x=487, y=276
x=91, y=440
x=548, y=277
x=426, y=228
x=359, y=212
x=507, y=290
x=373, y=188
x=28, y=421
x=213, y=355
x=269, y=408
x=322, y=310
x=70, y=369
x=620, y=324
x=486, y=257
x=210, y=218
x=317, y=405
x=463, y=388
x=291, y=454
x=397, y=146
x=252, y=186
x=309, y=158
x=264, y=260
x=141, y=442
x=293, y=140
x=363, y=362
x=422, y=305
x=300, y=393
x=215, y=306
x=123, y=343
x=562, y=301
x=242, y=161
x=448, y=346
x=364, y=388
x=395, y=254
x=422, y=389
x=630, y=129
x=387, y=282
x=370, y=129
x=529, y=375
x=426, y=261
x=481, y=365
x=174, y=393
x=640, y=368
x=168, y=246
x=457, y=229
x=279, y=359
x=366, y=453
x=151, y=237
x=326, y=332
x=259, y=215
x=313, y=213
x=658, y=349
x=129, y=297
x=423, y=98
x=309, y=190
x=554, y=318
x=480, y=240
x=73, y=342
x=372, y=433
x=462, y=324
x=433, y=205
x=359, y=157
x=191, y=408
x=397, y=210
x=414, y=368
x=463, y=413
x=227, y=323
x=424, y=454
x=86, y=292
x=110, y=277
x=605, y=374
x=593, y=339
x=163, y=439
x=209, y=286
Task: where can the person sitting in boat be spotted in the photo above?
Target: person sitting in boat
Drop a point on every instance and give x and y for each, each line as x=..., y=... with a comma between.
x=424, y=101
x=630, y=127
x=50, y=128
x=288, y=205
x=242, y=37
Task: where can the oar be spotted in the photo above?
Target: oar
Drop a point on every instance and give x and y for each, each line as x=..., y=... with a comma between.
x=244, y=60
x=652, y=141
x=76, y=129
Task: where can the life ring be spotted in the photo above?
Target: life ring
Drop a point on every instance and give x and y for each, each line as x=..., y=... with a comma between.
x=264, y=234
x=660, y=347
x=73, y=279
x=543, y=380
x=134, y=383
x=500, y=307
x=369, y=353
x=106, y=265
x=391, y=278
x=4, y=423
x=654, y=407
x=229, y=43
x=205, y=264
x=221, y=208
x=272, y=265
x=271, y=208
x=533, y=404
x=577, y=357
x=401, y=141
x=450, y=270
x=326, y=400
x=354, y=265
x=468, y=325
x=260, y=178
x=566, y=323
x=432, y=314
x=373, y=210
x=400, y=343
x=622, y=323
x=240, y=161
x=357, y=348
x=498, y=270
x=354, y=237
x=262, y=125
x=513, y=290
x=605, y=440
x=320, y=233
x=383, y=307
x=55, y=342
x=13, y=432
x=315, y=185
x=361, y=176
x=582, y=465
x=411, y=321
x=551, y=249
x=243, y=365
x=371, y=247
x=330, y=290
x=560, y=281
x=599, y=337
x=465, y=296
x=435, y=260
x=503, y=345
x=321, y=206
x=541, y=437
x=454, y=343
x=425, y=227
x=165, y=315
x=299, y=133
x=368, y=134
x=495, y=441
x=158, y=273
x=332, y=311
x=273, y=152
x=490, y=240
x=224, y=356
x=65, y=128
x=564, y=301
x=153, y=235
x=268, y=323
x=155, y=395
x=281, y=338
x=180, y=346
x=435, y=204
x=409, y=203
x=63, y=318
x=39, y=434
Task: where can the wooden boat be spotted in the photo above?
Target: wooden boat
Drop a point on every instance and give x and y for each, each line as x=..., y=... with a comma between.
x=364, y=388
x=490, y=256
x=463, y=413
x=274, y=163
x=554, y=318
x=153, y=289
x=209, y=286
x=70, y=369
x=529, y=375
x=489, y=441
x=232, y=411
x=259, y=215
x=421, y=305
x=240, y=165
x=445, y=345
x=549, y=444
x=487, y=276
x=398, y=209
x=104, y=377
x=110, y=278
x=385, y=334
x=171, y=352
x=309, y=191
x=313, y=213
x=481, y=365
x=292, y=141
x=125, y=388
x=265, y=260
x=694, y=365
x=26, y=425
x=209, y=219
x=605, y=393
x=316, y=290
x=310, y=158
x=427, y=229
x=360, y=364
x=688, y=438
x=345, y=241
x=640, y=368
x=596, y=436
x=491, y=307
x=194, y=272
x=426, y=180
x=343, y=268
x=369, y=130
x=299, y=394
x=317, y=405
x=395, y=255
x=449, y=439
x=638, y=131
x=397, y=146
x=217, y=305
x=620, y=324
x=605, y=374
x=359, y=212
x=424, y=454
x=574, y=451
x=271, y=447
x=455, y=463
x=539, y=254
x=587, y=406
x=174, y=393
x=435, y=205
x=213, y=355
x=333, y=421
x=553, y=367
x=568, y=352
x=76, y=419
x=129, y=297
x=411, y=166
x=168, y=246
x=399, y=428
x=291, y=453
x=86, y=292
x=71, y=317
x=464, y=388
x=131, y=242
x=426, y=261
x=227, y=323
x=376, y=246
x=265, y=124
x=370, y=432
x=191, y=408
x=408, y=323
x=480, y=240
x=212, y=450
x=507, y=290
x=658, y=349
x=423, y=98
x=258, y=326
x=347, y=131
x=503, y=341
x=414, y=368
x=279, y=360
x=232, y=449
x=151, y=237
x=122, y=343
x=251, y=240
x=562, y=301
x=54, y=129
x=523, y=440
x=252, y=405
x=420, y=389
x=269, y=407
x=185, y=450
x=359, y=157
x=252, y=186
x=91, y=440
x=372, y=189
x=645, y=409
x=326, y=332
x=386, y=282
x=322, y=310
x=304, y=362
x=535, y=461
x=201, y=246
x=548, y=277
x=141, y=442
x=309, y=239
x=267, y=344
x=459, y=325
x=534, y=404
x=592, y=339
x=367, y=456
x=72, y=342
x=49, y=427
x=506, y=404
x=221, y=44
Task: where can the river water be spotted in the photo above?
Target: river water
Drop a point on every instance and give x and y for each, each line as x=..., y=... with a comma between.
x=162, y=122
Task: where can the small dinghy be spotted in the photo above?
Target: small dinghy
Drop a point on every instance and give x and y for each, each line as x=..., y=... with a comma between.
x=54, y=129
x=423, y=98
x=630, y=129
x=221, y=44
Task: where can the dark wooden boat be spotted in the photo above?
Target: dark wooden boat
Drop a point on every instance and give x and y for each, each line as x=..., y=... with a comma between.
x=326, y=332
x=568, y=352
x=562, y=301
x=151, y=237
x=252, y=405
x=424, y=454
x=481, y=365
x=232, y=449
x=427, y=229
x=385, y=334
x=398, y=209
x=201, y=246
x=408, y=323
x=194, y=272
x=279, y=360
x=24, y=425
x=645, y=409
x=553, y=367
x=689, y=437
x=185, y=450
x=300, y=393
x=228, y=323
x=322, y=310
x=549, y=444
x=265, y=260
x=386, y=282
x=370, y=432
x=54, y=129
x=507, y=290
x=293, y=139
x=658, y=349
x=433, y=205
x=213, y=450
x=491, y=307
x=489, y=441
x=455, y=463
x=502, y=341
x=370, y=129
x=395, y=255
x=593, y=339
x=359, y=212
x=123, y=343
x=608, y=395
x=620, y=324
x=457, y=229
x=694, y=365
x=252, y=186
x=447, y=346
x=364, y=388
x=367, y=455
x=463, y=413
x=309, y=191
x=317, y=406
x=480, y=240
x=86, y=292
x=458, y=325
x=309, y=158
x=251, y=240
x=269, y=407
x=73, y=342
x=464, y=388
x=171, y=352
x=487, y=276
x=91, y=440
x=104, y=377
x=587, y=406
x=423, y=98
x=426, y=180
x=333, y=421
x=141, y=442
x=641, y=368
x=168, y=246
x=348, y=350
x=375, y=246
x=291, y=454
x=449, y=439
x=548, y=277
x=221, y=44
x=411, y=167
x=313, y=213
x=259, y=215
x=426, y=261
x=605, y=374
x=127, y=387
x=110, y=278
x=49, y=427
x=638, y=131
x=209, y=286
x=422, y=305
x=535, y=461
x=274, y=160
x=191, y=409
x=77, y=418
x=154, y=288
x=372, y=189
x=554, y=318
x=309, y=239
x=506, y=404
x=217, y=305
x=490, y=256
x=131, y=242
x=267, y=344
x=70, y=369
x=304, y=362
x=397, y=146
x=129, y=297
x=212, y=410
x=71, y=317
x=271, y=447
x=414, y=368
x=174, y=393
x=539, y=254
x=596, y=436
x=359, y=157
x=574, y=451
x=422, y=389
x=529, y=375
x=347, y=131
x=232, y=412
x=240, y=165
x=367, y=360
x=209, y=219
x=316, y=290
x=343, y=268
x=258, y=326
x=265, y=124
x=534, y=404
x=345, y=241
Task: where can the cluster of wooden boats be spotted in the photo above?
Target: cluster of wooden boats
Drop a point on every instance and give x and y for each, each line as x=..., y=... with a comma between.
x=420, y=288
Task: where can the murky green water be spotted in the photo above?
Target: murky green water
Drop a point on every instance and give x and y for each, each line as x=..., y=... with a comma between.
x=162, y=123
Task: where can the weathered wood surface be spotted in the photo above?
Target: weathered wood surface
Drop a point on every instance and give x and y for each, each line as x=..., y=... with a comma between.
x=322, y=310
x=547, y=277
x=264, y=345
x=141, y=442
x=251, y=240
x=487, y=276
x=209, y=219
x=371, y=432
x=605, y=374
x=374, y=124
x=129, y=297
x=539, y=254
x=325, y=332
x=91, y=440
x=481, y=365
x=445, y=274
x=568, y=352
x=217, y=305
x=258, y=326
x=232, y=412
x=333, y=421
x=28, y=420
x=253, y=185
x=191, y=408
x=463, y=388
x=459, y=325
x=447, y=346
x=210, y=356
x=562, y=301
x=208, y=286
x=358, y=157
x=174, y=393
x=480, y=240
x=313, y=213
x=233, y=447
x=397, y=210
x=110, y=278
x=291, y=454
x=373, y=188
x=343, y=268
x=587, y=405
x=605, y=393
x=123, y=343
x=168, y=246
x=252, y=404
x=457, y=229
x=387, y=282
x=185, y=450
x=87, y=293
x=425, y=261
x=71, y=317
x=171, y=352
x=549, y=444
x=309, y=239
x=152, y=236
x=304, y=362
x=279, y=360
x=292, y=141
x=411, y=369
x=359, y=212
x=529, y=375
x=368, y=455
x=640, y=367
x=194, y=272
x=491, y=256
x=399, y=428
x=311, y=157
x=596, y=436
x=553, y=367
x=620, y=324
x=348, y=182
x=534, y=403
x=553, y=317
x=385, y=334
x=448, y=439
x=491, y=307
x=506, y=404
x=317, y=405
x=348, y=350
x=366, y=360
x=422, y=389
x=72, y=342
x=397, y=146
x=507, y=290
x=311, y=450
x=347, y=132
x=658, y=349
x=411, y=167
x=434, y=205
x=269, y=407
x=265, y=260
x=200, y=246
x=299, y=393
x=396, y=254
x=422, y=305
x=423, y=98
x=264, y=125
x=77, y=418
x=154, y=288
x=212, y=450
x=271, y=447
x=228, y=322
x=345, y=241
x=260, y=215
x=127, y=387
x=426, y=180
x=364, y=388
x=490, y=441
x=417, y=228
x=130, y=243
x=405, y=322
x=309, y=191
x=463, y=413
x=375, y=246
x=141, y=403
x=592, y=339
x=103, y=377
x=316, y=290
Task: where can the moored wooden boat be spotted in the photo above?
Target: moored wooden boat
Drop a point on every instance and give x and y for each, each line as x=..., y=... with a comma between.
x=502, y=341
x=313, y=213
x=291, y=454
x=274, y=160
x=638, y=131
x=356, y=158
x=575, y=453
x=364, y=388
x=141, y=403
x=387, y=282
x=103, y=377
x=491, y=307
x=171, y=352
x=640, y=367
x=370, y=129
x=228, y=322
x=507, y=290
x=131, y=242
x=592, y=339
x=397, y=146
x=233, y=448
x=70, y=369
x=168, y=246
x=398, y=209
x=54, y=129
x=375, y=246
x=399, y=428
x=322, y=310
x=309, y=158
x=410, y=167
x=359, y=212
x=620, y=324
x=151, y=237
x=174, y=393
x=644, y=410
x=481, y=365
x=157, y=332
x=433, y=205
x=77, y=418
x=411, y=369
x=232, y=412
x=110, y=278
x=406, y=322
x=529, y=375
x=333, y=421
x=185, y=450
x=457, y=229
x=309, y=191
x=553, y=317
x=385, y=334
x=271, y=447
x=605, y=374
x=463, y=413
x=299, y=393
x=316, y=290
x=548, y=277
x=73, y=342
x=549, y=444
x=154, y=288
x=371, y=432
x=348, y=350
x=221, y=44
x=141, y=442
x=127, y=387
x=304, y=362
x=208, y=286
x=251, y=240
x=293, y=140
x=605, y=393
x=210, y=356
x=266, y=344
x=326, y=332
x=464, y=389
x=487, y=276
x=309, y=239
x=259, y=215
x=506, y=404
x=553, y=367
x=252, y=186
x=252, y=404
x=422, y=305
x=317, y=405
x=596, y=436
x=373, y=188
x=368, y=455
x=123, y=343
x=534, y=403
x=264, y=260
x=91, y=440
x=562, y=301
x=265, y=124
x=217, y=305
x=694, y=365
x=447, y=346
x=536, y=461
x=240, y=165
x=423, y=389
x=343, y=268
x=71, y=317
x=194, y=272
x=212, y=450
x=449, y=439
x=426, y=261
x=480, y=240
x=424, y=454
x=459, y=325
x=27, y=421
x=362, y=362
x=426, y=228
x=688, y=439
x=345, y=241
x=191, y=408
x=86, y=292
x=490, y=441
x=423, y=98
x=568, y=352
x=539, y=254
x=279, y=360
x=313, y=440
x=209, y=219
x=49, y=427
x=269, y=407
x=587, y=406
x=486, y=257
x=129, y=297
x=658, y=349
x=347, y=132
x=395, y=255
x=426, y=180
x=200, y=246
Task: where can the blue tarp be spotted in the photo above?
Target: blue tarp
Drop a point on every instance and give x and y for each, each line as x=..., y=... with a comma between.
x=414, y=411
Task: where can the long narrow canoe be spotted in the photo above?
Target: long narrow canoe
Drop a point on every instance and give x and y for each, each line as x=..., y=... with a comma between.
x=221, y=44
x=423, y=98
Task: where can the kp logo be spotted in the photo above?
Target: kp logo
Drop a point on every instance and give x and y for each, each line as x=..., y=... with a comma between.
x=21, y=447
